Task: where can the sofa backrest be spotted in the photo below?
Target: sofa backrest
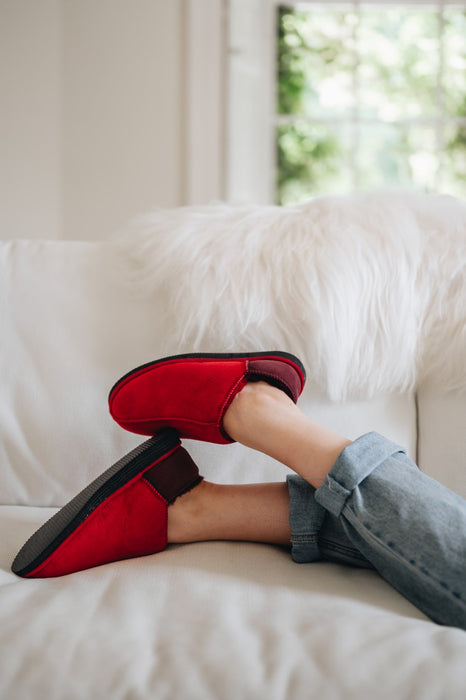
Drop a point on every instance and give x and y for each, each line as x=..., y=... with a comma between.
x=76, y=316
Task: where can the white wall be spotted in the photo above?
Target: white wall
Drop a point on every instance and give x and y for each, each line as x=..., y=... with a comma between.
x=122, y=111
x=30, y=116
x=98, y=122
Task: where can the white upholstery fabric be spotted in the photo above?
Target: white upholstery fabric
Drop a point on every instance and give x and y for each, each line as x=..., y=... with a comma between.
x=218, y=621
x=67, y=332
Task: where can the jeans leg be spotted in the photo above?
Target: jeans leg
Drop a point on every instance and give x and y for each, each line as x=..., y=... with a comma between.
x=411, y=528
x=316, y=534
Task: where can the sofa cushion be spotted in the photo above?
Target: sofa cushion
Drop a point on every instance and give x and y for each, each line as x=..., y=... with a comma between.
x=216, y=620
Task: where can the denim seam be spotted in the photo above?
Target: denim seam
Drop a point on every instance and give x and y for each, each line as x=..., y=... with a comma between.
x=408, y=563
x=298, y=539
x=341, y=549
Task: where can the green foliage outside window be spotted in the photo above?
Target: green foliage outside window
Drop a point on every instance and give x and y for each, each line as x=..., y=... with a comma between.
x=370, y=98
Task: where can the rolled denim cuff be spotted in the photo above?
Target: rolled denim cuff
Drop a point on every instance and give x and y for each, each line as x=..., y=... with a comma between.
x=306, y=518
x=354, y=464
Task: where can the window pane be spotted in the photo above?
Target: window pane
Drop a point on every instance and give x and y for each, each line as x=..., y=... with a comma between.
x=398, y=63
x=312, y=158
x=315, y=62
x=381, y=94
x=397, y=155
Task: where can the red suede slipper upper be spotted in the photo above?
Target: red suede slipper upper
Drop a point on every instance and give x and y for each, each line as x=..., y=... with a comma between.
x=124, y=516
x=192, y=392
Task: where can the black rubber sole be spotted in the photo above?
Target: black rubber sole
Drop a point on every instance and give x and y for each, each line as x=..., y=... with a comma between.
x=60, y=526
x=215, y=356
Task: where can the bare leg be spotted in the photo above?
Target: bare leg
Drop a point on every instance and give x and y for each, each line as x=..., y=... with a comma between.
x=265, y=419
x=407, y=526
x=246, y=512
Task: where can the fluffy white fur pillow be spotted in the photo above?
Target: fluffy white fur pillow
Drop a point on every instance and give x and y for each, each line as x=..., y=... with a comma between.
x=369, y=290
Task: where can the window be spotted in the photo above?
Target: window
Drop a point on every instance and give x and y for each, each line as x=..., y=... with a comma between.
x=370, y=96
x=361, y=95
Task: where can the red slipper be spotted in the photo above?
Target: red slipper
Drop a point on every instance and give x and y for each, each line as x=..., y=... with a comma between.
x=192, y=392
x=120, y=515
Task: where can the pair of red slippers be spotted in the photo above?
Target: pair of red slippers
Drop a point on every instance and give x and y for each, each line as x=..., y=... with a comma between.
x=124, y=512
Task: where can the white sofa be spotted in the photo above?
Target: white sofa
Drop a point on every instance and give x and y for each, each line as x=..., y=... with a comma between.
x=371, y=293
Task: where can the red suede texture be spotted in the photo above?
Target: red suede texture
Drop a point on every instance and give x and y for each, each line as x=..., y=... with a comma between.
x=190, y=395
x=130, y=523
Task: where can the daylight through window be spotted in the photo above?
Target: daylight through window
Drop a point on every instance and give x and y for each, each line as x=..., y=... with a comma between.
x=370, y=95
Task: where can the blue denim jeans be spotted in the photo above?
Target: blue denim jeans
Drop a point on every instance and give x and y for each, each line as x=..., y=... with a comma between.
x=376, y=509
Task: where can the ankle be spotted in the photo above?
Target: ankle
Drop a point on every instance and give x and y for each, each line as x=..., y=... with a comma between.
x=251, y=405
x=266, y=419
x=188, y=514
x=232, y=512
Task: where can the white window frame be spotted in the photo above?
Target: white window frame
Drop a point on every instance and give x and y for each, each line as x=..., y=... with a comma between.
x=252, y=118
x=250, y=153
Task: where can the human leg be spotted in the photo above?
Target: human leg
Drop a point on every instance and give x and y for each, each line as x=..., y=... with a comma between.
x=284, y=513
x=266, y=420
x=408, y=526
x=141, y=503
x=246, y=512
x=288, y=514
x=316, y=534
x=373, y=497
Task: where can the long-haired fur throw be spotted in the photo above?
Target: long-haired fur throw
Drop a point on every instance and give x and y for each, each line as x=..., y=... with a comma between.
x=369, y=290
